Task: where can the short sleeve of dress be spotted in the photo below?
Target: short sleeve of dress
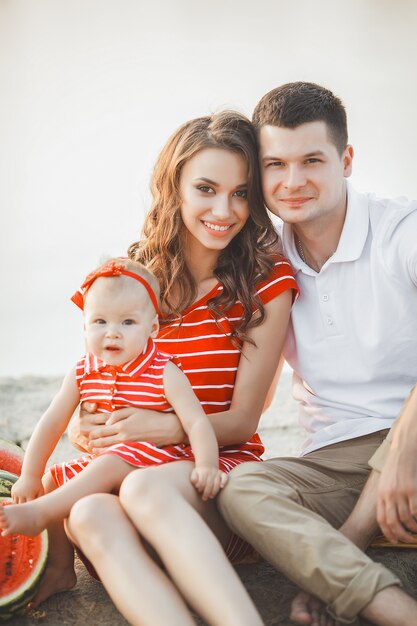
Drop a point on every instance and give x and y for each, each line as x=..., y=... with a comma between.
x=176, y=361
x=280, y=279
x=170, y=357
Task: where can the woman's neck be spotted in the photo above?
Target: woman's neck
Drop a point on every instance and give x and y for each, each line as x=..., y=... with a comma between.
x=201, y=264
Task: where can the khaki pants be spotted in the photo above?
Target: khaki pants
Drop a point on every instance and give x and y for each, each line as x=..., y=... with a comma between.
x=288, y=509
x=377, y=460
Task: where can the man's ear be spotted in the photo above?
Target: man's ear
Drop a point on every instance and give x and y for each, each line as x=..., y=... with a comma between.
x=347, y=158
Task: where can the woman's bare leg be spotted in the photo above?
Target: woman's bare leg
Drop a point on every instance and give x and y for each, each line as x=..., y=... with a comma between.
x=138, y=587
x=168, y=512
x=103, y=475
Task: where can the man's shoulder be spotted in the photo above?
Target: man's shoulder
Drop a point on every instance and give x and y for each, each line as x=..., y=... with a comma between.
x=393, y=222
x=386, y=214
x=399, y=204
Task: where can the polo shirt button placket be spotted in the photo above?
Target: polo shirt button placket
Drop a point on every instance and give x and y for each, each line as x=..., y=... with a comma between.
x=327, y=309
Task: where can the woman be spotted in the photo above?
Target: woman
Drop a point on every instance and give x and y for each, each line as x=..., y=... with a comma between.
x=226, y=299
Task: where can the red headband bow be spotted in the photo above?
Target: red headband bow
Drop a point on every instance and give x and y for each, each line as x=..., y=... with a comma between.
x=112, y=268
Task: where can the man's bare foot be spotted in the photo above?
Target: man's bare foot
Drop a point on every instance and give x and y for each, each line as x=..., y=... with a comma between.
x=54, y=581
x=22, y=519
x=305, y=609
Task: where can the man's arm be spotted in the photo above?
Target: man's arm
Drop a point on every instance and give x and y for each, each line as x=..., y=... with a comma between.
x=397, y=488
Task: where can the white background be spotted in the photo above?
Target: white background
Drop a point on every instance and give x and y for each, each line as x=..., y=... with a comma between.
x=91, y=89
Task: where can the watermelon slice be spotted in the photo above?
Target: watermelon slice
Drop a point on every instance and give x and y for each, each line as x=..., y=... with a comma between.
x=7, y=480
x=11, y=457
x=22, y=563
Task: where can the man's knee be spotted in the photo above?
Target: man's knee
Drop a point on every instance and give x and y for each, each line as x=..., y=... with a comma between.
x=239, y=481
x=248, y=486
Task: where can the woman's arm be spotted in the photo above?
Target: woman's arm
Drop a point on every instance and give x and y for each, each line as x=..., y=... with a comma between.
x=45, y=437
x=257, y=368
x=271, y=391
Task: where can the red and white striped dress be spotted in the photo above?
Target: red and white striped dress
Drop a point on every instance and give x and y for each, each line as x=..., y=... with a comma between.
x=208, y=358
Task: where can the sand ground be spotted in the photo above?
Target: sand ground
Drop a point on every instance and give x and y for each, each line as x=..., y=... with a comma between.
x=23, y=400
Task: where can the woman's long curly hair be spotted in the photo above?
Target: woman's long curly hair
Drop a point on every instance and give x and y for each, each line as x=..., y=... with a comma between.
x=247, y=259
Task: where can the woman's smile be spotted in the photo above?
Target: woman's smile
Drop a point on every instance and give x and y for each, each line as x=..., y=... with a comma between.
x=216, y=228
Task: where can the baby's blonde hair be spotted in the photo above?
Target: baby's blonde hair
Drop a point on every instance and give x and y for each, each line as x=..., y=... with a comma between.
x=141, y=270
x=136, y=268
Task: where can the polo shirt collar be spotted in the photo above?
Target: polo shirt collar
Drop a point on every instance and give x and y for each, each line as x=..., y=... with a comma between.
x=133, y=368
x=352, y=239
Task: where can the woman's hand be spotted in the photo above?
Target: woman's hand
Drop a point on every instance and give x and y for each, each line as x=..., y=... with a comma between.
x=97, y=431
x=90, y=431
x=83, y=424
x=127, y=424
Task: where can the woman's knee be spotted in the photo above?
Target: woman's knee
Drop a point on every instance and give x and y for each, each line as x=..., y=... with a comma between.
x=144, y=493
x=87, y=516
x=152, y=495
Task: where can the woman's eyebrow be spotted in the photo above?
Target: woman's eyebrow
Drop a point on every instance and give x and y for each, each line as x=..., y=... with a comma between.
x=214, y=184
x=206, y=180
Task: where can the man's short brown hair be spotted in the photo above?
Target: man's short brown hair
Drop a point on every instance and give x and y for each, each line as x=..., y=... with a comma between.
x=293, y=104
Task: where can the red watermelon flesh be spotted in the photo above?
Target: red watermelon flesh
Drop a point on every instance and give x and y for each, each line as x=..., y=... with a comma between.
x=22, y=563
x=11, y=457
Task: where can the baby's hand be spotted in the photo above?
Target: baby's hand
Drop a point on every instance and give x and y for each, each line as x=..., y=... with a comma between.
x=208, y=481
x=27, y=488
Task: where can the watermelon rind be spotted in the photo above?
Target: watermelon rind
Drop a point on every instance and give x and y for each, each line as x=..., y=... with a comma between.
x=7, y=480
x=11, y=456
x=20, y=596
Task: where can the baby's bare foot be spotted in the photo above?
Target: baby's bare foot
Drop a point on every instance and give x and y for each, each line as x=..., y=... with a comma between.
x=22, y=519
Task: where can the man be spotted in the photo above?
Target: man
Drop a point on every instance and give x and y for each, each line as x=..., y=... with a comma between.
x=352, y=345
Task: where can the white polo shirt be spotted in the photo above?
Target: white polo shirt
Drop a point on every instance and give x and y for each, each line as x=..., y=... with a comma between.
x=352, y=341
